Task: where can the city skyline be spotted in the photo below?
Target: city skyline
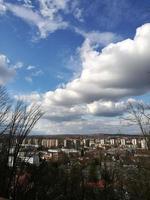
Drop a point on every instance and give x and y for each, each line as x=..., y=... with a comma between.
x=81, y=61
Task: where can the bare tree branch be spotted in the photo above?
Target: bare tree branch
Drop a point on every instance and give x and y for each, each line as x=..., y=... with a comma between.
x=139, y=114
x=5, y=106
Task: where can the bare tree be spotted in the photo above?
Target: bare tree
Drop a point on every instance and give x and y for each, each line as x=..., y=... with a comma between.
x=22, y=122
x=139, y=114
x=16, y=122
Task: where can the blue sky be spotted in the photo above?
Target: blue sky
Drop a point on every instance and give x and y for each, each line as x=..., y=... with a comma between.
x=59, y=53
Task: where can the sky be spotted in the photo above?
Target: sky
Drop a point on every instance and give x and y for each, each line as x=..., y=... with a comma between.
x=83, y=61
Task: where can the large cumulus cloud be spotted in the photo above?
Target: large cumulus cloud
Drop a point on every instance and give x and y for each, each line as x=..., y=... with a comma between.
x=118, y=70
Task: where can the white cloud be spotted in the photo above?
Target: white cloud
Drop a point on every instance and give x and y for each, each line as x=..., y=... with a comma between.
x=18, y=65
x=48, y=8
x=107, y=108
x=28, y=79
x=33, y=73
x=37, y=73
x=6, y=73
x=2, y=7
x=45, y=126
x=47, y=15
x=31, y=67
x=45, y=24
x=60, y=113
x=78, y=14
x=87, y=118
x=97, y=38
x=34, y=97
x=119, y=70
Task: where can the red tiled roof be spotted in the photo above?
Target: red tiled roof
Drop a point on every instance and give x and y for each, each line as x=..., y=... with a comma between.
x=99, y=184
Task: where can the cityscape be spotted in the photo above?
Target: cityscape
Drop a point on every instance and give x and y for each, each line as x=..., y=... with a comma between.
x=78, y=146
x=55, y=147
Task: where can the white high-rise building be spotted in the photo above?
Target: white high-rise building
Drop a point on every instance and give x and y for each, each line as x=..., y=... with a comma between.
x=123, y=142
x=143, y=144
